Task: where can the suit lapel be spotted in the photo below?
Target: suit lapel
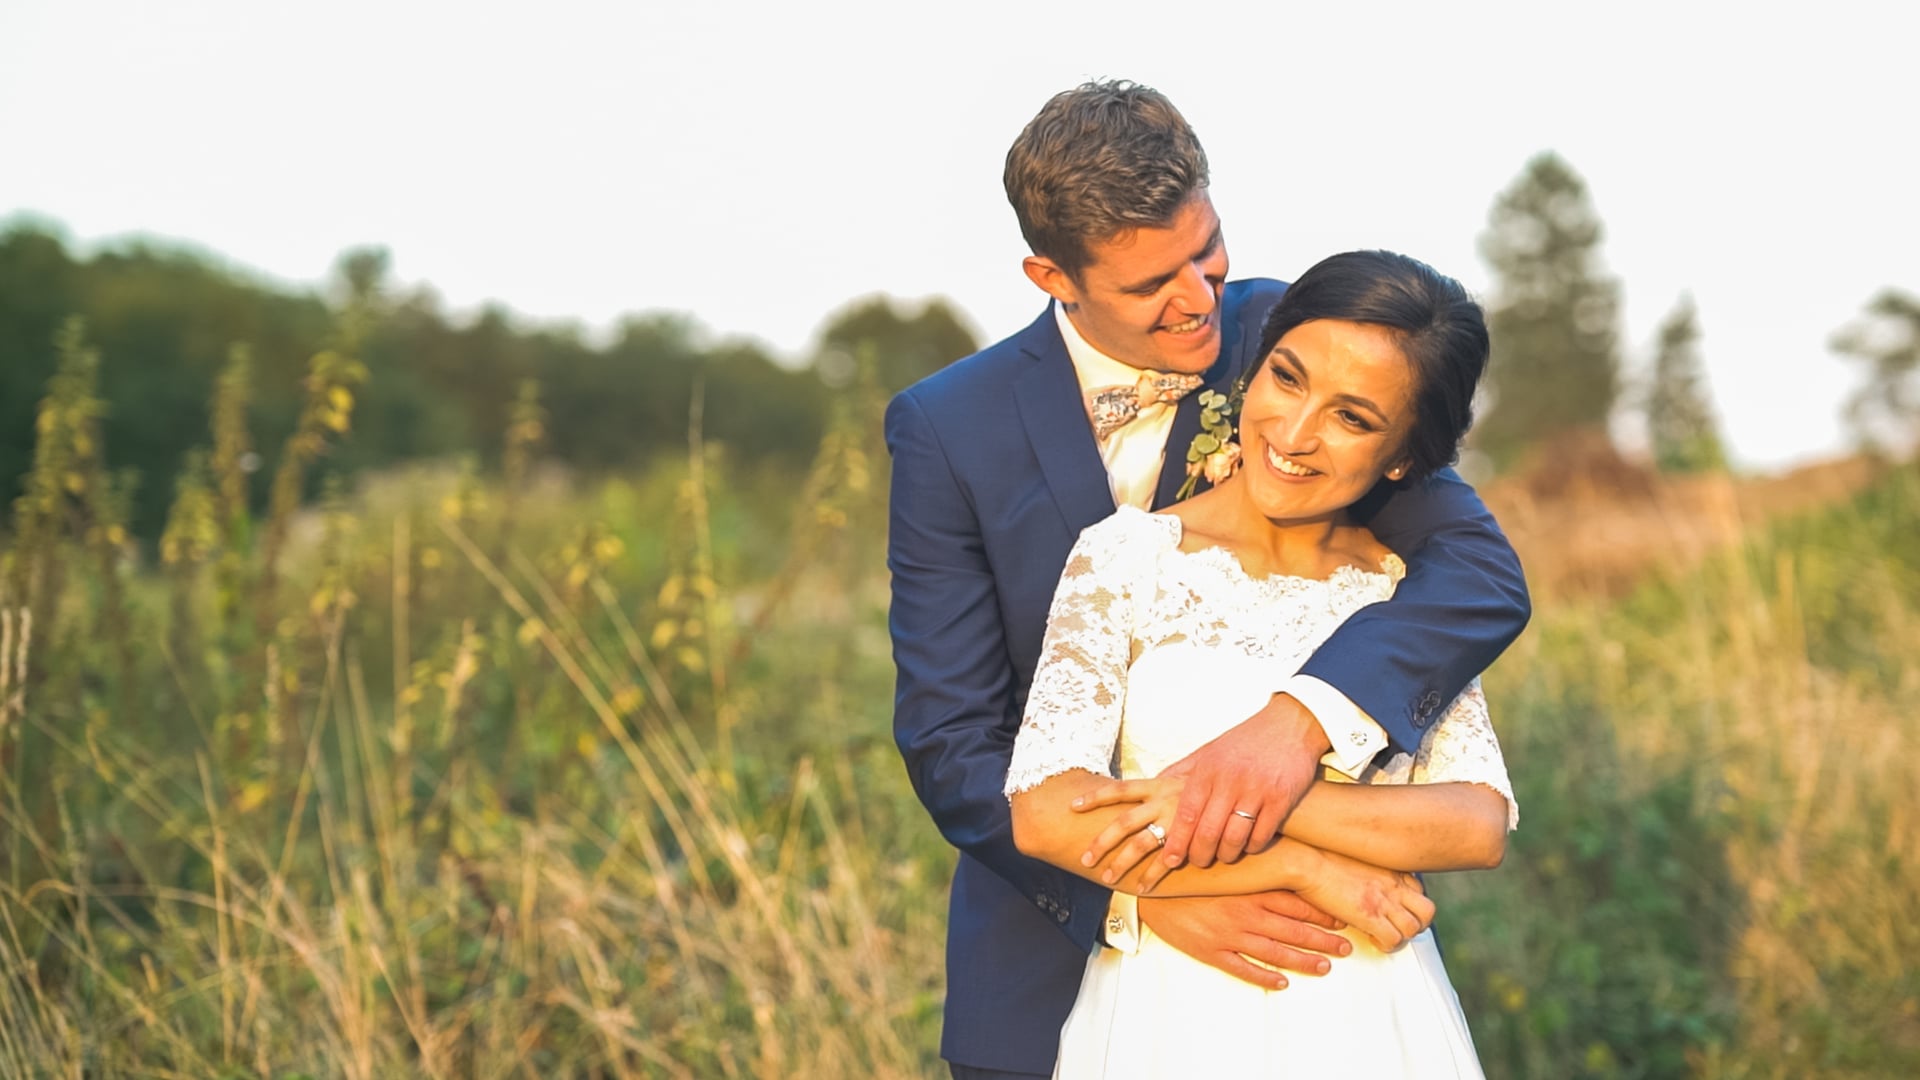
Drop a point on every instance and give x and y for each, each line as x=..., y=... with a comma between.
x=1186, y=419
x=1055, y=417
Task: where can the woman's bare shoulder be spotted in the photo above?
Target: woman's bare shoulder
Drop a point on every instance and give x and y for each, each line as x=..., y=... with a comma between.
x=1355, y=545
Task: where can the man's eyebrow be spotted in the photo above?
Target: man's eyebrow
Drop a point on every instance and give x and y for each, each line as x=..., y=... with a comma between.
x=1153, y=284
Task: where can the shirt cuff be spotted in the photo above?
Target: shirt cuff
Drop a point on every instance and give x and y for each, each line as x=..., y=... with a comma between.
x=1122, y=928
x=1354, y=735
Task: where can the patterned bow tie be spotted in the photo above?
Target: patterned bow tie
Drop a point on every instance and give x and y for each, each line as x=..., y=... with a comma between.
x=1114, y=407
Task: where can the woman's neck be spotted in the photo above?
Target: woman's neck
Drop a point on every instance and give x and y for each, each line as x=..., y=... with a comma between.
x=1305, y=547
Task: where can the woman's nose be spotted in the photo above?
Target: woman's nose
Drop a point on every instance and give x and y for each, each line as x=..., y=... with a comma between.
x=1299, y=432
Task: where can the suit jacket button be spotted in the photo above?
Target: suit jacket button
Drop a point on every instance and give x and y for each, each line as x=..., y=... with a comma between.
x=1429, y=704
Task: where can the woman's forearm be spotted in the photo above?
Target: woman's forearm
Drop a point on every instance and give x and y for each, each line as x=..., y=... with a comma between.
x=1048, y=828
x=1410, y=827
x=1451, y=826
x=1287, y=864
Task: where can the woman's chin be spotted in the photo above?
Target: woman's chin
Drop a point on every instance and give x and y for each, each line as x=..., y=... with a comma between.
x=1300, y=501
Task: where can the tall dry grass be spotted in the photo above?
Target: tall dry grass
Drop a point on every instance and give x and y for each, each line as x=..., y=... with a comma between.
x=489, y=778
x=1718, y=870
x=436, y=780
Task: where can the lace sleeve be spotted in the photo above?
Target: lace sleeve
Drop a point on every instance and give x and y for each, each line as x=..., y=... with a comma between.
x=1461, y=748
x=1073, y=710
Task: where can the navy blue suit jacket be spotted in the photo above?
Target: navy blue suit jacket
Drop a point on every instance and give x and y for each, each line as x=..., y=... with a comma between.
x=995, y=472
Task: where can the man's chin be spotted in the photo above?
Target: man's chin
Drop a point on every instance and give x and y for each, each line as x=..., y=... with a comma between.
x=1191, y=358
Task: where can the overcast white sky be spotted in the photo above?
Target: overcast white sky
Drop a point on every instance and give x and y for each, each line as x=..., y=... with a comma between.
x=759, y=165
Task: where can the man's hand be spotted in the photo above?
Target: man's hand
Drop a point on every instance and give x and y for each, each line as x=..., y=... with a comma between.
x=1276, y=928
x=1260, y=768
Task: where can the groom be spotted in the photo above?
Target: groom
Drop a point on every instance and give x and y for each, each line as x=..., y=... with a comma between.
x=997, y=467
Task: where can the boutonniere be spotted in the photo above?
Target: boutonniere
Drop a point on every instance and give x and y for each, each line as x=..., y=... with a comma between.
x=1214, y=453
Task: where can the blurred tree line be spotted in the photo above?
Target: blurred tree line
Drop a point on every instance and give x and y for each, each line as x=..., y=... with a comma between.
x=164, y=321
x=1560, y=374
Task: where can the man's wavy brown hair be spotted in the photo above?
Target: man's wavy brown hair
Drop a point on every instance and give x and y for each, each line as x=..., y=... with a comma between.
x=1100, y=160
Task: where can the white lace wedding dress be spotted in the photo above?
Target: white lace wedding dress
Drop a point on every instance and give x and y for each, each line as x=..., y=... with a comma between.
x=1151, y=652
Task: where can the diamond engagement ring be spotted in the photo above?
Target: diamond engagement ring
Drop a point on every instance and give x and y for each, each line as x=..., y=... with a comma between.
x=1244, y=814
x=1159, y=834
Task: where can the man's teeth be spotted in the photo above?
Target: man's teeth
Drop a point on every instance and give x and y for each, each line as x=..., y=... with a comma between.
x=1188, y=326
x=1274, y=459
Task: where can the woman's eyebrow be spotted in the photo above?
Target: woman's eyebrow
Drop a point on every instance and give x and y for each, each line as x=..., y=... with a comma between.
x=1300, y=371
x=1355, y=399
x=1299, y=368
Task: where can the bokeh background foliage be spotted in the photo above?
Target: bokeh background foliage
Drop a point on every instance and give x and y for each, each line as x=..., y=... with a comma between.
x=385, y=693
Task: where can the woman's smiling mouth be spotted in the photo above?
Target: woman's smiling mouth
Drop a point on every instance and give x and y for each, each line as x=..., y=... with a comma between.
x=1286, y=466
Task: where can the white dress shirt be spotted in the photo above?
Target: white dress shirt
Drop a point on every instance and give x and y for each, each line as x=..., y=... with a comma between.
x=1135, y=451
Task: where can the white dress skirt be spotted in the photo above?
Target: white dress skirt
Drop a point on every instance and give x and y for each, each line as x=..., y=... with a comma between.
x=1150, y=653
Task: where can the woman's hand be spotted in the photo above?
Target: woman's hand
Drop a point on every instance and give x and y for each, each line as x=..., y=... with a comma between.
x=1389, y=906
x=1127, y=841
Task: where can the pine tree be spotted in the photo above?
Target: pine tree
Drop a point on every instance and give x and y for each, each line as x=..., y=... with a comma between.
x=1886, y=411
x=1680, y=418
x=1553, y=314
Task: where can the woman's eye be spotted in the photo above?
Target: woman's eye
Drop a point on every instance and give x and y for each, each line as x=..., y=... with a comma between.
x=1355, y=419
x=1286, y=377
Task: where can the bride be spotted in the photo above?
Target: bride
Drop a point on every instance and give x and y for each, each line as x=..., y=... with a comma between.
x=1169, y=626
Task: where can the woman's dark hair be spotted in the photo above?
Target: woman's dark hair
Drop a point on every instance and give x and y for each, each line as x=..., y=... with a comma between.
x=1440, y=328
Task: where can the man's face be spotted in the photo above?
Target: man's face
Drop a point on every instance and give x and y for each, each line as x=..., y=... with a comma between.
x=1150, y=298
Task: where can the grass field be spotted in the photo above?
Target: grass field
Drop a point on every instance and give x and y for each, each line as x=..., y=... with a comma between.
x=451, y=777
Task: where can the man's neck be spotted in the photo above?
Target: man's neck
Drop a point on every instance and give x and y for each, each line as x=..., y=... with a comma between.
x=1094, y=365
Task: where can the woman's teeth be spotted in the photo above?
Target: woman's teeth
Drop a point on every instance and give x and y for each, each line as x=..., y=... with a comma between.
x=1274, y=459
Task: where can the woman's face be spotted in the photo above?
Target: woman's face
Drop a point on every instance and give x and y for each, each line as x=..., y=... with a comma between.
x=1325, y=418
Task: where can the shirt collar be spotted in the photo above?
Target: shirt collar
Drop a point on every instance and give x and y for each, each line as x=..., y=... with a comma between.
x=1091, y=366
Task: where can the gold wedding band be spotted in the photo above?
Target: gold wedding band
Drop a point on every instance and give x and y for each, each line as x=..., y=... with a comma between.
x=1244, y=814
x=1159, y=834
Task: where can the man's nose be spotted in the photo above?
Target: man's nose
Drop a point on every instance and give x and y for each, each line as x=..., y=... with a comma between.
x=1194, y=290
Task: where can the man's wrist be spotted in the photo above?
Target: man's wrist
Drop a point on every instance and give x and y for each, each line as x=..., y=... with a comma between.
x=1125, y=916
x=1299, y=719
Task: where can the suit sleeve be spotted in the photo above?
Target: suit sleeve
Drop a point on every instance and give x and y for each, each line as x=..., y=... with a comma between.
x=1464, y=600
x=954, y=711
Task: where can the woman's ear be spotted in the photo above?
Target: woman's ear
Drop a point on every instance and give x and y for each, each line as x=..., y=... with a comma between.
x=1399, y=469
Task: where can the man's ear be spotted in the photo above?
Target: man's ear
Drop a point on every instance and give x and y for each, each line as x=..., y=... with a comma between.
x=1051, y=279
